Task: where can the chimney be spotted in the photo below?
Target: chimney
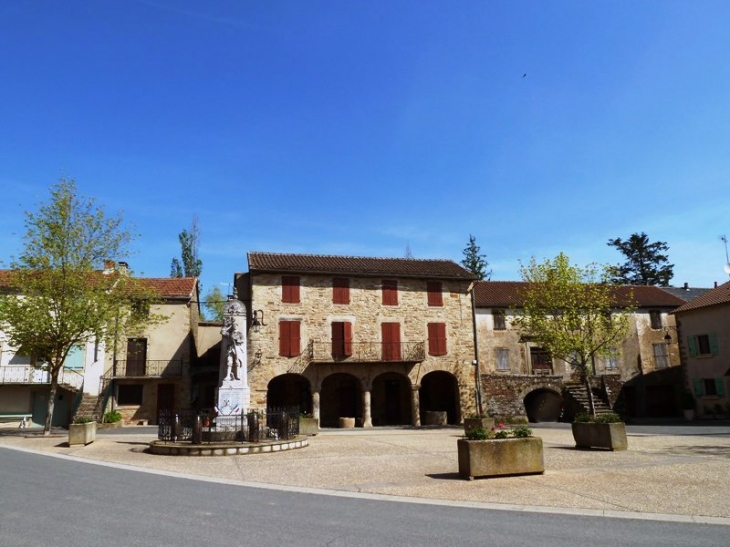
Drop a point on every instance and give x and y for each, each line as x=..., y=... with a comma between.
x=108, y=267
x=123, y=267
x=715, y=284
x=686, y=286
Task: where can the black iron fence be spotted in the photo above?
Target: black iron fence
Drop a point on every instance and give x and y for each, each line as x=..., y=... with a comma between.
x=203, y=428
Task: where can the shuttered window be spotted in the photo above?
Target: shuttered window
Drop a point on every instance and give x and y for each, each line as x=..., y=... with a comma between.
x=435, y=294
x=437, y=339
x=289, y=343
x=340, y=290
x=390, y=292
x=501, y=356
x=391, y=341
x=341, y=339
x=702, y=344
x=290, y=289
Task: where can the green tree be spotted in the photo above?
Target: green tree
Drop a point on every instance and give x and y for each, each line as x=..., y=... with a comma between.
x=475, y=262
x=572, y=312
x=192, y=266
x=55, y=294
x=646, y=263
x=214, y=304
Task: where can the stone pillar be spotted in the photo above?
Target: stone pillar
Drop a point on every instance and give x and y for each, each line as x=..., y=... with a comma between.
x=415, y=406
x=367, y=419
x=315, y=405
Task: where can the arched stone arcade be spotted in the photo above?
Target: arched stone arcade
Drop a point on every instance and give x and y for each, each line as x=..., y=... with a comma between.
x=543, y=405
x=289, y=390
x=440, y=392
x=391, y=400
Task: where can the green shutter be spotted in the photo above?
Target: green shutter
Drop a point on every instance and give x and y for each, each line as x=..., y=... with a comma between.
x=713, y=344
x=699, y=388
x=692, y=343
x=719, y=387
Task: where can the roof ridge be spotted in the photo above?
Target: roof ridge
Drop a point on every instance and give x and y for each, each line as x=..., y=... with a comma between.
x=315, y=255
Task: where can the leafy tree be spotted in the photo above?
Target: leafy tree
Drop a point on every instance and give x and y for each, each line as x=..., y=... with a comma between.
x=474, y=262
x=645, y=262
x=214, y=304
x=56, y=295
x=192, y=266
x=572, y=312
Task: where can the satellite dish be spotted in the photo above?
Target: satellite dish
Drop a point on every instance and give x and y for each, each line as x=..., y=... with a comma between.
x=726, y=267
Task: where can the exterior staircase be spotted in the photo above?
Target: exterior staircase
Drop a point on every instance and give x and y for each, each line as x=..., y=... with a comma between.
x=578, y=393
x=90, y=406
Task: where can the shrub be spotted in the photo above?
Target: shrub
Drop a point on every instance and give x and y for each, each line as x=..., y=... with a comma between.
x=582, y=417
x=112, y=417
x=608, y=418
x=83, y=419
x=521, y=431
x=477, y=434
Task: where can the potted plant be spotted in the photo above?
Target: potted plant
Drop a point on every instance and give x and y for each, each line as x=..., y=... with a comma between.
x=111, y=419
x=498, y=452
x=308, y=424
x=688, y=405
x=600, y=431
x=82, y=431
x=476, y=421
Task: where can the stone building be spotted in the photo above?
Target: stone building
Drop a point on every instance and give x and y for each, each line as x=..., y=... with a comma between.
x=383, y=340
x=642, y=374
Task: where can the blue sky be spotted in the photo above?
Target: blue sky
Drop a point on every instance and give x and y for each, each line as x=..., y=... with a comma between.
x=365, y=127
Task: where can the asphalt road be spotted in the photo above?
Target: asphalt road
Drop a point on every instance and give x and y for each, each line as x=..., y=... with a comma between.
x=46, y=501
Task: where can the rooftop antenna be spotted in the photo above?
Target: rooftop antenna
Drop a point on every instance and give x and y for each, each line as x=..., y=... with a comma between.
x=723, y=238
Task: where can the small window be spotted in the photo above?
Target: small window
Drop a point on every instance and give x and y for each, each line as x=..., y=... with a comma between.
x=290, y=289
x=289, y=342
x=340, y=290
x=611, y=359
x=702, y=344
x=501, y=355
x=499, y=322
x=341, y=339
x=75, y=358
x=130, y=394
x=661, y=356
x=655, y=317
x=435, y=294
x=390, y=292
x=437, y=339
x=710, y=386
x=391, y=341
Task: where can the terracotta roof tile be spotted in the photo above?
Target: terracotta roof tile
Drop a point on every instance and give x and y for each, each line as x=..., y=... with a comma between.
x=713, y=297
x=353, y=265
x=507, y=294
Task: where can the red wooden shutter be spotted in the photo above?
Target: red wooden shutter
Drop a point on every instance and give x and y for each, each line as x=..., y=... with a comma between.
x=338, y=339
x=347, y=335
x=436, y=339
x=435, y=296
x=290, y=289
x=391, y=341
x=340, y=290
x=390, y=292
x=295, y=346
x=289, y=345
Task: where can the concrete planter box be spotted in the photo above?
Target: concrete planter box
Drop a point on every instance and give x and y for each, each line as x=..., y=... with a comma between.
x=473, y=423
x=592, y=435
x=308, y=426
x=435, y=417
x=500, y=457
x=81, y=433
x=347, y=423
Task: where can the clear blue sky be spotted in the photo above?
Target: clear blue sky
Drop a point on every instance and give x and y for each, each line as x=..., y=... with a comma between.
x=364, y=127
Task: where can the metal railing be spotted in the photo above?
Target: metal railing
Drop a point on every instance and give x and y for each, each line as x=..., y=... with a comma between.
x=356, y=352
x=25, y=374
x=142, y=369
x=252, y=427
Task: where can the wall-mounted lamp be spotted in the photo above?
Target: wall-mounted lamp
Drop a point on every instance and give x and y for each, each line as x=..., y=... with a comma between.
x=255, y=323
x=667, y=336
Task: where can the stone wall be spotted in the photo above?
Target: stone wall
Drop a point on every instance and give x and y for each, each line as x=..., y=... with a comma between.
x=504, y=394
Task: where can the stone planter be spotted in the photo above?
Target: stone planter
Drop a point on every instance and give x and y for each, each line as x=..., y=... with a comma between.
x=347, y=423
x=473, y=423
x=308, y=426
x=81, y=433
x=592, y=435
x=435, y=417
x=500, y=457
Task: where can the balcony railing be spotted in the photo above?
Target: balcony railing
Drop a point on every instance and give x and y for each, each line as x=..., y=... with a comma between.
x=163, y=368
x=23, y=374
x=367, y=352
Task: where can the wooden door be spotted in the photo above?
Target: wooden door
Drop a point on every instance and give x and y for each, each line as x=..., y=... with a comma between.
x=136, y=356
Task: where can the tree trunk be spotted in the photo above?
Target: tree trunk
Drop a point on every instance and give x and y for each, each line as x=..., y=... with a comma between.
x=51, y=402
x=591, y=404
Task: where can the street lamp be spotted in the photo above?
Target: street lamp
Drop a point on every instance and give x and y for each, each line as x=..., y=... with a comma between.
x=255, y=323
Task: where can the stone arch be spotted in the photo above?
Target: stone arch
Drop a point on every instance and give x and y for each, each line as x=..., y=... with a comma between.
x=543, y=404
x=340, y=396
x=440, y=392
x=289, y=390
x=391, y=399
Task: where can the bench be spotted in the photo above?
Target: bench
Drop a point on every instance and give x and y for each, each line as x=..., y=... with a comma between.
x=24, y=418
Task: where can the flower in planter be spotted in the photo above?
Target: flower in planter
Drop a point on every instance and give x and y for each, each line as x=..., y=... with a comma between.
x=498, y=432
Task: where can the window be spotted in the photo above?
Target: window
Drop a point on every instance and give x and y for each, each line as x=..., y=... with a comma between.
x=702, y=344
x=501, y=355
x=391, y=341
x=289, y=344
x=390, y=292
x=129, y=394
x=655, y=317
x=611, y=359
x=136, y=357
x=140, y=309
x=661, y=356
x=709, y=386
x=341, y=339
x=340, y=290
x=437, y=338
x=290, y=289
x=499, y=323
x=435, y=294
x=75, y=358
